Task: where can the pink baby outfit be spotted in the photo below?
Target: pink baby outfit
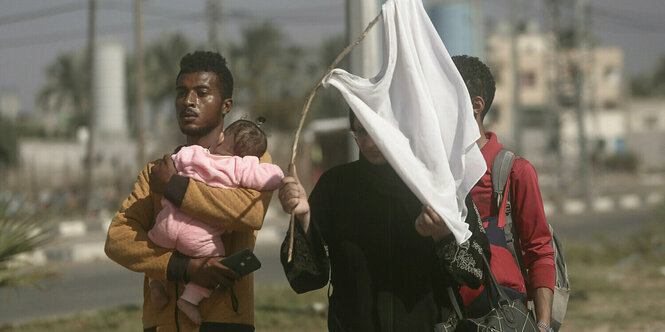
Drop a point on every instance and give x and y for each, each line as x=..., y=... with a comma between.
x=192, y=237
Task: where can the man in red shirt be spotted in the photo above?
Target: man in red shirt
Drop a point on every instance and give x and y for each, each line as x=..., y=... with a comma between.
x=526, y=206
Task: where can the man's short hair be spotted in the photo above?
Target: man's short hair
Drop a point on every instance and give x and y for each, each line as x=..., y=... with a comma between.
x=248, y=138
x=204, y=61
x=478, y=79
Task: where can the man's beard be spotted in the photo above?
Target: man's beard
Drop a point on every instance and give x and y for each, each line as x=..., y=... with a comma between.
x=200, y=131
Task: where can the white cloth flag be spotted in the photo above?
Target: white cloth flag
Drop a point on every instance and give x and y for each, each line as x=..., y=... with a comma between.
x=418, y=112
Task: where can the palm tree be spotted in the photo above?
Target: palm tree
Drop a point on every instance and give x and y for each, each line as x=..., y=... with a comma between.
x=329, y=102
x=21, y=232
x=162, y=65
x=8, y=144
x=162, y=62
x=67, y=89
x=267, y=74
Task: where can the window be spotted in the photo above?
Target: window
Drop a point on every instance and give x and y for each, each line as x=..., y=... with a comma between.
x=528, y=79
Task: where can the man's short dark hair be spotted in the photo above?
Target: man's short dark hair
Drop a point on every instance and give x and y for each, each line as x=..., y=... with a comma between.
x=478, y=79
x=248, y=138
x=204, y=61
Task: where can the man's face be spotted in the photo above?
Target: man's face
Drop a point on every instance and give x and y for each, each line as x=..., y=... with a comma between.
x=199, y=105
x=366, y=145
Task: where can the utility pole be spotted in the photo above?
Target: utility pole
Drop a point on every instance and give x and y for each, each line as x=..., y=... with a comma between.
x=582, y=30
x=212, y=14
x=365, y=60
x=140, y=91
x=217, y=34
x=515, y=73
x=478, y=21
x=554, y=116
x=90, y=144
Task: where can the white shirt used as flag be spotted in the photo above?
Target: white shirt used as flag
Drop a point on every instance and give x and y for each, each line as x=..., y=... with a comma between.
x=418, y=112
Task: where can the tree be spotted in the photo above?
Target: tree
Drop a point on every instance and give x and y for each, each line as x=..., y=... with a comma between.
x=162, y=63
x=640, y=86
x=268, y=75
x=652, y=84
x=8, y=144
x=658, y=79
x=66, y=90
x=329, y=103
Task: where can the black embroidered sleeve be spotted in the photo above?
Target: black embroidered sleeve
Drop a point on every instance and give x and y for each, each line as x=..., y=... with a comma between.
x=463, y=262
x=309, y=267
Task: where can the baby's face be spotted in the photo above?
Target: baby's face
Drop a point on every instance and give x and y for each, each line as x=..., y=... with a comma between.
x=226, y=147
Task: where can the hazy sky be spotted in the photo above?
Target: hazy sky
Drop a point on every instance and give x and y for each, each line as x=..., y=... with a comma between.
x=34, y=32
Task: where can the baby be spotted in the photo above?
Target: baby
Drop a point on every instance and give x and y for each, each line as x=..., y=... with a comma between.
x=234, y=163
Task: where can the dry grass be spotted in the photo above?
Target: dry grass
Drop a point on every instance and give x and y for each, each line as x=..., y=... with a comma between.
x=623, y=289
x=618, y=285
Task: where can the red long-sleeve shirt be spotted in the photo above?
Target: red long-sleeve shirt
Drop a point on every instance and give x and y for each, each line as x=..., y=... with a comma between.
x=528, y=218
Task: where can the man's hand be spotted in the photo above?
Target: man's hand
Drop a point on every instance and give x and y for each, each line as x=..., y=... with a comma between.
x=210, y=273
x=161, y=174
x=429, y=223
x=293, y=198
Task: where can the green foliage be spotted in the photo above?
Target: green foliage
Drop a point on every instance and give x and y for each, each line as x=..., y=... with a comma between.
x=162, y=62
x=272, y=78
x=268, y=75
x=329, y=103
x=652, y=84
x=20, y=233
x=275, y=78
x=67, y=91
x=8, y=144
x=161, y=65
x=624, y=161
x=640, y=86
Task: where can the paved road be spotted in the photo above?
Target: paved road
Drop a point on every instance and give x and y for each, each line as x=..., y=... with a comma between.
x=96, y=285
x=598, y=225
x=101, y=284
x=75, y=288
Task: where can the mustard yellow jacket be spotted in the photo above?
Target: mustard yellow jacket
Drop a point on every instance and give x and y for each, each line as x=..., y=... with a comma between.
x=239, y=210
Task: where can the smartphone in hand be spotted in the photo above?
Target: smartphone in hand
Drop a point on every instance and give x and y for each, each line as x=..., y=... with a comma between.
x=242, y=262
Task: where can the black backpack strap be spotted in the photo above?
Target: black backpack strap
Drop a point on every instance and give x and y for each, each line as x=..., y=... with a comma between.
x=501, y=166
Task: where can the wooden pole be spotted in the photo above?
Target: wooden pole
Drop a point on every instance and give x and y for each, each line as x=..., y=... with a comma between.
x=305, y=110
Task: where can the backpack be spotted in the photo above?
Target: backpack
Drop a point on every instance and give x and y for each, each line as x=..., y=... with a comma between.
x=501, y=166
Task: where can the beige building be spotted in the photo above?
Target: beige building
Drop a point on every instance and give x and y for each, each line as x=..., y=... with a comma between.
x=542, y=76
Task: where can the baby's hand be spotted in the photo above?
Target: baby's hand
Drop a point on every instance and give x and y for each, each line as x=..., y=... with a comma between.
x=161, y=174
